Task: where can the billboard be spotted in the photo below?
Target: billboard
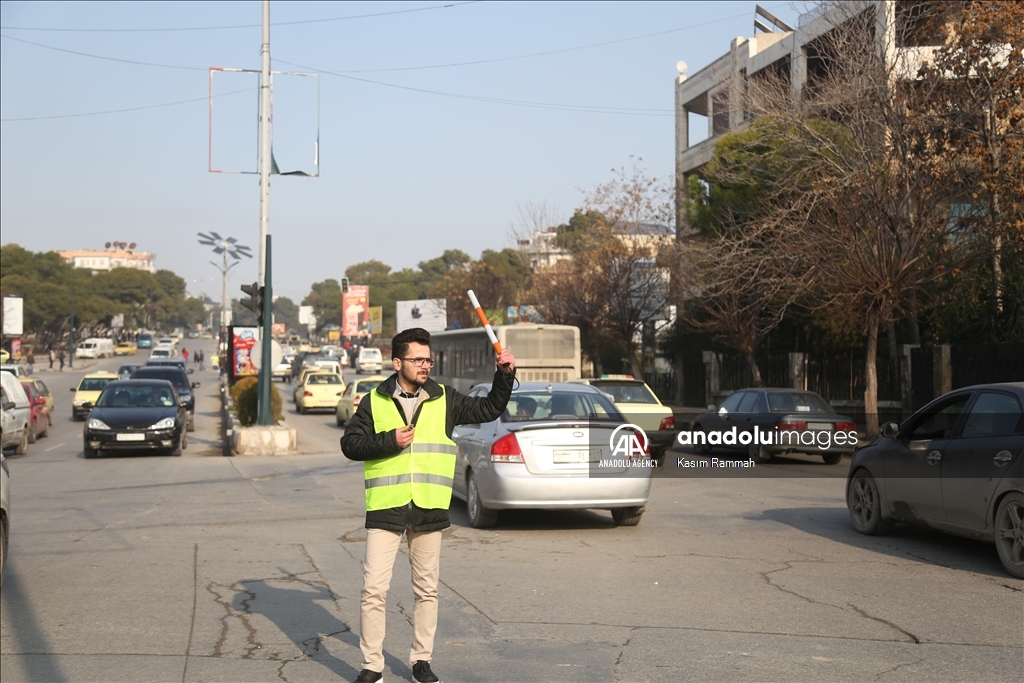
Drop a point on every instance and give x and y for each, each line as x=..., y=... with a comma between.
x=355, y=305
x=306, y=316
x=376, y=324
x=243, y=339
x=430, y=314
x=14, y=307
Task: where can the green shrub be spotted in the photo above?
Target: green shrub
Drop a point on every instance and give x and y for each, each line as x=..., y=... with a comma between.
x=239, y=386
x=246, y=401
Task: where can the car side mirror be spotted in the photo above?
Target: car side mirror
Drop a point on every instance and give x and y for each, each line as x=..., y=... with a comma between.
x=73, y=389
x=87, y=406
x=711, y=407
x=9, y=405
x=890, y=430
x=195, y=385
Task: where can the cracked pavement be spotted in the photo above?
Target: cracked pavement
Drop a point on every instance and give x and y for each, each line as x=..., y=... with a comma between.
x=248, y=569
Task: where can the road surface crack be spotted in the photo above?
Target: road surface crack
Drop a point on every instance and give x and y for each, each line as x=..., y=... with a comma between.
x=898, y=666
x=888, y=623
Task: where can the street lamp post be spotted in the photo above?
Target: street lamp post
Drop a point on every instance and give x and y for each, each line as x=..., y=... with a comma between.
x=225, y=246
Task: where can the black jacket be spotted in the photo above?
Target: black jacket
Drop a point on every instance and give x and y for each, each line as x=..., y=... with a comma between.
x=361, y=442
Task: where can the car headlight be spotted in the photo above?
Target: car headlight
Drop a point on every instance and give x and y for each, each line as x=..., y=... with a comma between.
x=166, y=423
x=79, y=401
x=97, y=424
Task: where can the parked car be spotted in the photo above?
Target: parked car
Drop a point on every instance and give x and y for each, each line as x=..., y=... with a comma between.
x=319, y=390
x=548, y=451
x=126, y=370
x=87, y=391
x=14, y=426
x=39, y=420
x=641, y=407
x=126, y=348
x=136, y=414
x=793, y=420
x=43, y=391
x=369, y=360
x=5, y=514
x=18, y=371
x=352, y=395
x=179, y=378
x=956, y=465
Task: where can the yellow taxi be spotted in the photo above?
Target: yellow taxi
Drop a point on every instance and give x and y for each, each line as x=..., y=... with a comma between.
x=126, y=348
x=87, y=391
x=641, y=407
x=353, y=394
x=319, y=390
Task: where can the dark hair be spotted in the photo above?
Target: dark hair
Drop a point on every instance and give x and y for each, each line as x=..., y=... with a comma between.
x=413, y=335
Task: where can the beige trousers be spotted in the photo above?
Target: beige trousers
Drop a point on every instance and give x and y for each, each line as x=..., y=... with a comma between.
x=425, y=559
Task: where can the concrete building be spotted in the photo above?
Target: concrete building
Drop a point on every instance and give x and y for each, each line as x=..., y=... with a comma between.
x=542, y=251
x=109, y=258
x=712, y=101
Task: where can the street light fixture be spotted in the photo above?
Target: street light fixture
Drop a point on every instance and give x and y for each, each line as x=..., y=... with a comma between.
x=225, y=246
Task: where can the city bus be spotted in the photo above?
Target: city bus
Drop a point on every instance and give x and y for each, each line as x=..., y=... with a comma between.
x=544, y=353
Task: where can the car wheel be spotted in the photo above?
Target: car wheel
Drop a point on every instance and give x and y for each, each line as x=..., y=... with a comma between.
x=659, y=457
x=184, y=441
x=832, y=458
x=46, y=429
x=702, y=448
x=176, y=451
x=89, y=453
x=479, y=516
x=758, y=453
x=32, y=436
x=191, y=426
x=338, y=420
x=865, y=505
x=22, y=448
x=627, y=516
x=302, y=409
x=1010, y=533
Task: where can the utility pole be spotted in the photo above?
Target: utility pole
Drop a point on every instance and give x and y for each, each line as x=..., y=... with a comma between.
x=71, y=355
x=265, y=415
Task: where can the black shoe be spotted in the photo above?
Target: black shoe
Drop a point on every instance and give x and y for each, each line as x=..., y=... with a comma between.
x=421, y=673
x=367, y=676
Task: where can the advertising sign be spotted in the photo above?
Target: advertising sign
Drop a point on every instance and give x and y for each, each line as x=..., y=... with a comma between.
x=430, y=314
x=306, y=316
x=376, y=325
x=355, y=306
x=277, y=329
x=117, y=321
x=13, y=316
x=243, y=339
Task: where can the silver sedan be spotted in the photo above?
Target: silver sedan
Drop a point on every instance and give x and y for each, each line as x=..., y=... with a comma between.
x=557, y=446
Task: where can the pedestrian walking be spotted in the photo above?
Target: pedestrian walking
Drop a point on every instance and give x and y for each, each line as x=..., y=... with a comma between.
x=201, y=359
x=60, y=356
x=184, y=354
x=53, y=356
x=411, y=413
x=30, y=361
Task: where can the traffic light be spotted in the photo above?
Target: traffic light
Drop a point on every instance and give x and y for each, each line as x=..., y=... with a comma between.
x=254, y=302
x=344, y=285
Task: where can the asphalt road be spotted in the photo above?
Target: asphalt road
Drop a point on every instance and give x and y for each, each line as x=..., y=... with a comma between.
x=149, y=567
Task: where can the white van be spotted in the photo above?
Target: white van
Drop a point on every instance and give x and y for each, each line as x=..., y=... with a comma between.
x=16, y=414
x=369, y=360
x=95, y=348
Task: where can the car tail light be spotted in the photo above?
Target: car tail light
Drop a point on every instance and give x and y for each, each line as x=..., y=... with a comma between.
x=355, y=401
x=307, y=392
x=668, y=423
x=506, y=449
x=846, y=427
x=795, y=425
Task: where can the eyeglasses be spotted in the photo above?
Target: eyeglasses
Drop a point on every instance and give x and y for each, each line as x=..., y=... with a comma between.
x=420, y=362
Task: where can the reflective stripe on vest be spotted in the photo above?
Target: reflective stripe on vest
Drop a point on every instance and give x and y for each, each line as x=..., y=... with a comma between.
x=424, y=471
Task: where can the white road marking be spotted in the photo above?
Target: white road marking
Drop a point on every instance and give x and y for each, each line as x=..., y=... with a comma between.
x=53, y=448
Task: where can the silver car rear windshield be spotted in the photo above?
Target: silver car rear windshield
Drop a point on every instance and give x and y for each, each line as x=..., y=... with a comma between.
x=533, y=406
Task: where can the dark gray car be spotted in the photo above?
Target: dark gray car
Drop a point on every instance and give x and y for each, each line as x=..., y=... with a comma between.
x=956, y=465
x=178, y=377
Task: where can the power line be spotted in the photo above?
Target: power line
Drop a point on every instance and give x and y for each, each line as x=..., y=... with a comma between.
x=497, y=100
x=235, y=26
x=109, y=59
x=121, y=111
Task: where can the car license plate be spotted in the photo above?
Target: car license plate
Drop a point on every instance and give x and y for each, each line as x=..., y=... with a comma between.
x=575, y=457
x=820, y=426
x=131, y=437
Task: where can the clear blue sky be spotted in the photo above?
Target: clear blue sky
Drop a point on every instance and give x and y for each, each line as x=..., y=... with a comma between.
x=405, y=174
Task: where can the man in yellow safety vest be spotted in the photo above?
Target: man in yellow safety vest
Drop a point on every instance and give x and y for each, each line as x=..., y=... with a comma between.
x=402, y=432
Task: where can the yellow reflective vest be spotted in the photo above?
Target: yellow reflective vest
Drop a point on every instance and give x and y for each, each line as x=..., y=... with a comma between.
x=423, y=472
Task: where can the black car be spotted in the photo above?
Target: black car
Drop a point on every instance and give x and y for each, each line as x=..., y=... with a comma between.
x=173, y=361
x=768, y=422
x=126, y=370
x=136, y=414
x=956, y=465
x=179, y=378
